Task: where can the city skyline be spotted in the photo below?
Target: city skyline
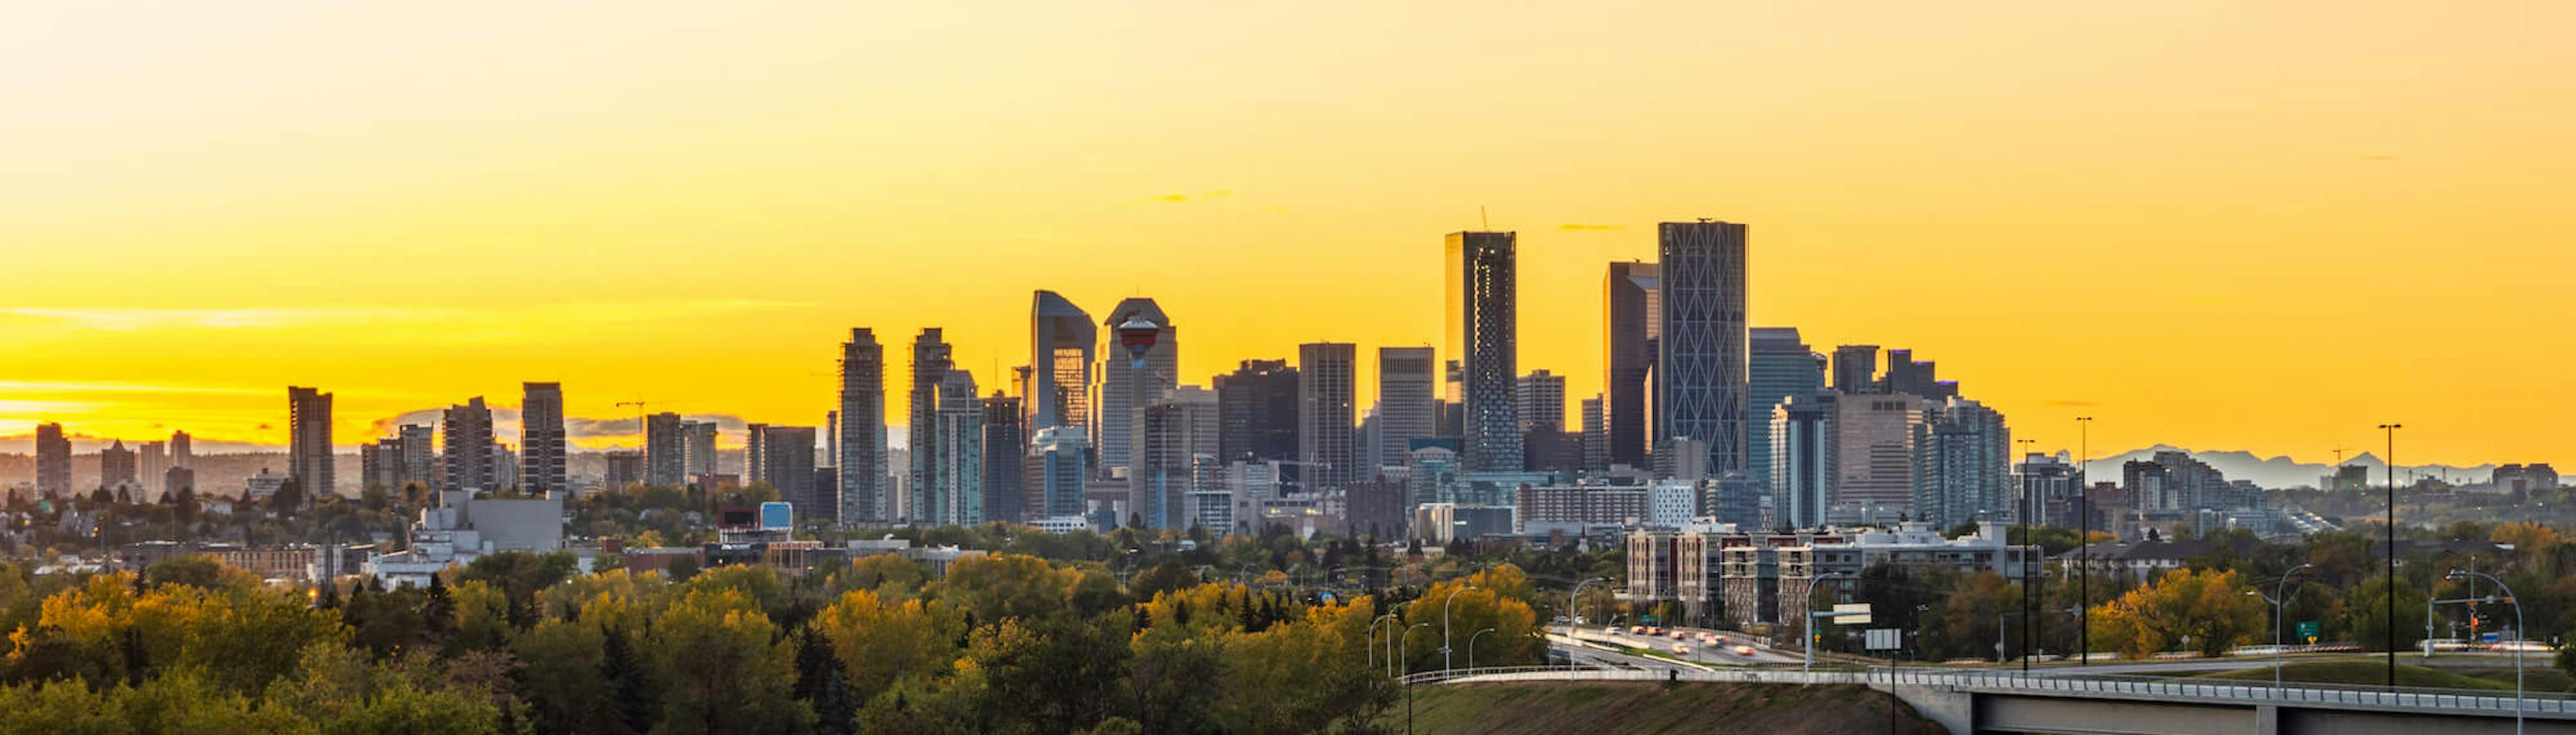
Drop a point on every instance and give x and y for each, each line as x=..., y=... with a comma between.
x=2140, y=234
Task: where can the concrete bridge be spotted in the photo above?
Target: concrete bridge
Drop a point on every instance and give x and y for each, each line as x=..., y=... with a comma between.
x=2011, y=702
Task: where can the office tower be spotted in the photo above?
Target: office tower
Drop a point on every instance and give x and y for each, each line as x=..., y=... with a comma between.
x=53, y=462
x=308, y=445
x=626, y=466
x=1962, y=466
x=1407, y=407
x=698, y=450
x=1596, y=435
x=1855, y=369
x=1803, y=459
x=117, y=466
x=1060, y=359
x=1632, y=314
x=930, y=366
x=543, y=457
x=1058, y=452
x=151, y=463
x=1915, y=377
x=1005, y=444
x=755, y=458
x=1258, y=403
x=862, y=445
x=1325, y=397
x=787, y=459
x=953, y=491
x=666, y=450
x=1177, y=434
x=466, y=440
x=182, y=450
x=1539, y=401
x=1483, y=335
x=1700, y=379
x=1780, y=365
x=1120, y=393
x=1874, y=441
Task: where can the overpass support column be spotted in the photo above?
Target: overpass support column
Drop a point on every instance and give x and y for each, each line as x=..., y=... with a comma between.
x=2267, y=720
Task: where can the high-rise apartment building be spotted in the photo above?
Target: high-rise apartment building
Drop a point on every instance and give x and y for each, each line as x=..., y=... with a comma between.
x=930, y=366
x=473, y=461
x=1962, y=466
x=1701, y=374
x=1539, y=400
x=862, y=447
x=1803, y=459
x=182, y=450
x=1061, y=361
x=1483, y=333
x=787, y=459
x=543, y=455
x=954, y=493
x=1407, y=403
x=117, y=466
x=626, y=466
x=1120, y=391
x=698, y=450
x=1258, y=407
x=755, y=458
x=666, y=450
x=1326, y=395
x=53, y=461
x=152, y=463
x=1780, y=365
x=308, y=444
x=1004, y=447
x=1596, y=435
x=1632, y=312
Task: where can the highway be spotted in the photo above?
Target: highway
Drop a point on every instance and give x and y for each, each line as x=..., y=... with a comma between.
x=1722, y=654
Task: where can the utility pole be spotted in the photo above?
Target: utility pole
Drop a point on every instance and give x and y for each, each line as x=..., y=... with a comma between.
x=2391, y=462
x=2084, y=541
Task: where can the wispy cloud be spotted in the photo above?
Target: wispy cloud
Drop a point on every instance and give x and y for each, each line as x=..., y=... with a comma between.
x=2073, y=404
x=128, y=320
x=1590, y=228
x=1178, y=198
x=90, y=386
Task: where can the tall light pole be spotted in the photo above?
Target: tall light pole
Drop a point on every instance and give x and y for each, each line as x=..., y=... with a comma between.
x=2517, y=640
x=1444, y=625
x=1471, y=647
x=2028, y=545
x=2279, y=599
x=1810, y=643
x=2084, y=540
x=2391, y=461
x=1571, y=601
x=1408, y=668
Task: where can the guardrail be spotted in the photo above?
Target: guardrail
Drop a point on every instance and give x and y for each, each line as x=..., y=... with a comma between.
x=2153, y=687
x=1497, y=674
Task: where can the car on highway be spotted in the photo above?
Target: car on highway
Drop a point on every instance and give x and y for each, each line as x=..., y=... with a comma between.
x=1681, y=649
x=1636, y=629
x=1744, y=650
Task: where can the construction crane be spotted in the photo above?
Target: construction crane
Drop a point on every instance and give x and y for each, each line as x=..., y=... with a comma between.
x=639, y=404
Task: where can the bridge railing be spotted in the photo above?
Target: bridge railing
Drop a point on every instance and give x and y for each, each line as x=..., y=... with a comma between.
x=2246, y=691
x=1496, y=674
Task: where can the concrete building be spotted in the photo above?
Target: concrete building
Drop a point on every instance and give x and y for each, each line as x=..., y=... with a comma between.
x=1700, y=376
x=1004, y=449
x=1326, y=394
x=953, y=492
x=117, y=465
x=2050, y=484
x=1915, y=378
x=152, y=465
x=1725, y=576
x=1962, y=466
x=787, y=456
x=1632, y=312
x=543, y=455
x=1874, y=446
x=1596, y=436
x=930, y=366
x=625, y=468
x=697, y=449
x=1059, y=453
x=462, y=528
x=1126, y=383
x=1856, y=370
x=1175, y=455
x=1804, y=459
x=1484, y=337
x=666, y=450
x=861, y=453
x=1779, y=365
x=53, y=462
x=1407, y=403
x=182, y=450
x=1538, y=399
x=465, y=441
x=1576, y=510
x=308, y=444
x=1441, y=523
x=1258, y=406
x=260, y=486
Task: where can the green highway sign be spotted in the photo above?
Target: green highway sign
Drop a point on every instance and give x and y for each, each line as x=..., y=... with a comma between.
x=2308, y=630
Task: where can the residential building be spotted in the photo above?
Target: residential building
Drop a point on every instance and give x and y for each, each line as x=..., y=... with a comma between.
x=308, y=444
x=1441, y=523
x=1804, y=459
x=626, y=466
x=152, y=464
x=2049, y=484
x=1700, y=377
x=543, y=454
x=666, y=450
x=465, y=441
x=930, y=368
x=953, y=492
x=53, y=462
x=1632, y=311
x=697, y=449
x=117, y=465
x=1483, y=332
x=861, y=453
x=1575, y=510
x=182, y=450
x=1538, y=399
x=1962, y=467
x=1326, y=380
x=1407, y=404
x=788, y=462
x=1004, y=446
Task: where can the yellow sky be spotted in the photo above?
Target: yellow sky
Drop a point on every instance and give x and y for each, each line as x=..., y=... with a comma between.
x=2266, y=226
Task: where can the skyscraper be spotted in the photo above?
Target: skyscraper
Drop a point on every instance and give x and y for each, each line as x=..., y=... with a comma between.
x=1596, y=435
x=1325, y=396
x=1058, y=452
x=1874, y=442
x=698, y=450
x=308, y=444
x=787, y=458
x=1407, y=404
x=1483, y=335
x=930, y=366
x=1632, y=312
x=1701, y=376
x=53, y=462
x=863, y=431
x=1539, y=400
x=1006, y=443
x=466, y=440
x=1962, y=466
x=1177, y=436
x=1119, y=394
x=666, y=451
x=1060, y=359
x=117, y=466
x=182, y=452
x=1803, y=459
x=1915, y=377
x=542, y=454
x=153, y=465
x=418, y=453
x=1258, y=407
x=755, y=457
x=1856, y=369
x=1780, y=366
x=955, y=493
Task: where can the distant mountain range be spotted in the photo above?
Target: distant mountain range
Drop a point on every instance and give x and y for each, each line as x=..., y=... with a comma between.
x=2283, y=472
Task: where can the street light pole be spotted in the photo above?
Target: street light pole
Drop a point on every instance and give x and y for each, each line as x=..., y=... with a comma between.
x=1809, y=645
x=1408, y=669
x=2391, y=462
x=2084, y=541
x=1571, y=600
x=1444, y=624
x=2517, y=639
x=2280, y=599
x=1471, y=647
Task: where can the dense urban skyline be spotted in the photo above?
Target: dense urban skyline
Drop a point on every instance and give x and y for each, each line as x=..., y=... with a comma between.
x=2271, y=233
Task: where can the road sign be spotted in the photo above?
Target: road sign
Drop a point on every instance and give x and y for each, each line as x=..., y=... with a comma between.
x=1852, y=607
x=1884, y=639
x=2491, y=638
x=1648, y=619
x=2309, y=630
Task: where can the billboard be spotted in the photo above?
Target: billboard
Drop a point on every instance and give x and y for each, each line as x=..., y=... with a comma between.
x=737, y=518
x=776, y=516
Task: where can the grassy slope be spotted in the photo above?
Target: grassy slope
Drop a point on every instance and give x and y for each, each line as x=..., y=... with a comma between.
x=2365, y=672
x=1610, y=708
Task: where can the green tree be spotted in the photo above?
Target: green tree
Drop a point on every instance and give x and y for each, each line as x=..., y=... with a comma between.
x=724, y=670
